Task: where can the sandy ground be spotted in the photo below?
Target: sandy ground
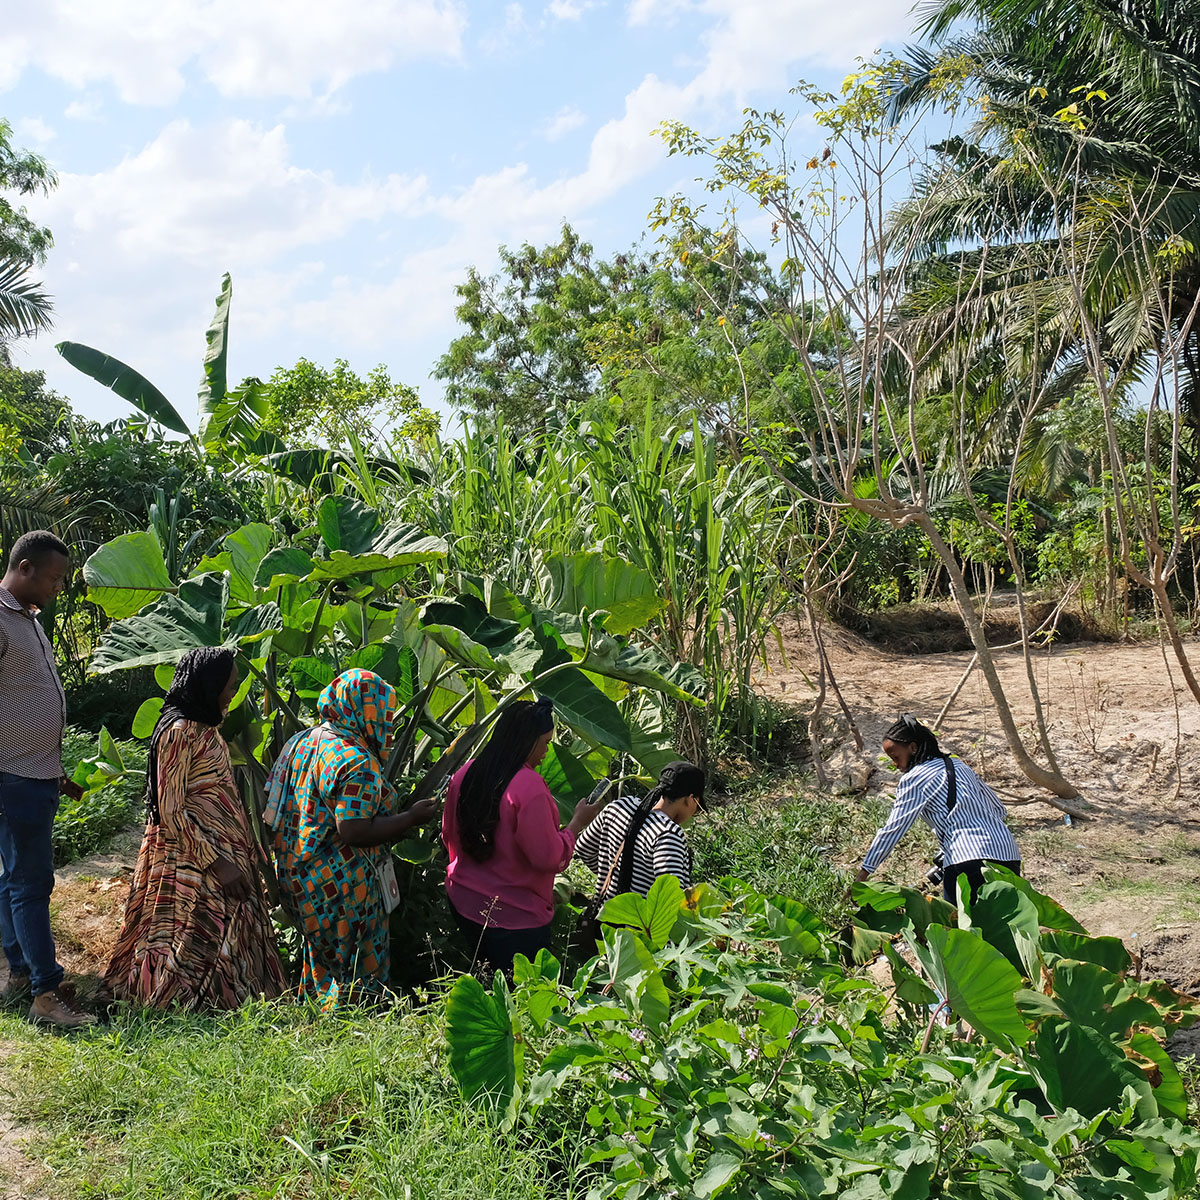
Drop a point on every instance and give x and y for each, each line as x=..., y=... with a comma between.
x=1126, y=732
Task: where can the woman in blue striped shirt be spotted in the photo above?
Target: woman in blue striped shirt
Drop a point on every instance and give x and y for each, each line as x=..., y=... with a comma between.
x=963, y=812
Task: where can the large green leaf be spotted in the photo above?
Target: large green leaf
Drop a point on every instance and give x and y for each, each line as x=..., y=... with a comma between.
x=1107, y=952
x=978, y=982
x=285, y=564
x=1169, y=1092
x=216, y=357
x=618, y=660
x=567, y=778
x=164, y=632
x=346, y=524
x=1051, y=914
x=631, y=596
x=1008, y=920
x=394, y=546
x=1078, y=1067
x=126, y=574
x=653, y=915
x=636, y=978
x=126, y=382
x=480, y=1036
x=243, y=552
x=1090, y=995
x=584, y=707
x=469, y=614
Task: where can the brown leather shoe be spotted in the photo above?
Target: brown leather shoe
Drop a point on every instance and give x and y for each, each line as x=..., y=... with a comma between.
x=53, y=1008
x=17, y=988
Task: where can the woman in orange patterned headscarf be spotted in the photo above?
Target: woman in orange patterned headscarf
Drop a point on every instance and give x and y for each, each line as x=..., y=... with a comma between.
x=334, y=816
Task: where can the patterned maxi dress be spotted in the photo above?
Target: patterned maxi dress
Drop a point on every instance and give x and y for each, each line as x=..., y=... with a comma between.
x=330, y=889
x=184, y=941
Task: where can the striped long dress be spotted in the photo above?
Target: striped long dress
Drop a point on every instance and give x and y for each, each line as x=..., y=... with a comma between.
x=184, y=941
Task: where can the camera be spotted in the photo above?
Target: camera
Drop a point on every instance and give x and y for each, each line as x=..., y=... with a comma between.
x=937, y=872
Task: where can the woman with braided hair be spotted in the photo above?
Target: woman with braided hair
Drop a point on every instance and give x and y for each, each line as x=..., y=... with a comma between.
x=636, y=841
x=966, y=816
x=197, y=932
x=501, y=827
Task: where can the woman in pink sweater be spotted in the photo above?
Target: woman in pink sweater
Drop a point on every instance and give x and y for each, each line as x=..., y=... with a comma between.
x=501, y=827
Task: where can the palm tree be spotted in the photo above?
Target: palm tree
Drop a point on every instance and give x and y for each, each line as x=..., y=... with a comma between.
x=25, y=307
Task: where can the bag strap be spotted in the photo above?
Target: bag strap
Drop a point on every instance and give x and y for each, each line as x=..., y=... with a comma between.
x=612, y=866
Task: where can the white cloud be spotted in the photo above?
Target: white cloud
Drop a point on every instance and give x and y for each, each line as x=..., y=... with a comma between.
x=34, y=129
x=563, y=121
x=568, y=10
x=83, y=110
x=292, y=48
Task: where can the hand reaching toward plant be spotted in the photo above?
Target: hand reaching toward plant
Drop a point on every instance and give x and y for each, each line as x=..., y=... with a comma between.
x=422, y=812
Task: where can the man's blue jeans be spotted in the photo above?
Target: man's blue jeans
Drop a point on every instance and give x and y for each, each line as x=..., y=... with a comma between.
x=27, y=808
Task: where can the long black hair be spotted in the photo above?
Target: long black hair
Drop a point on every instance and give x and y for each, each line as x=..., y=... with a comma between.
x=677, y=779
x=195, y=695
x=488, y=777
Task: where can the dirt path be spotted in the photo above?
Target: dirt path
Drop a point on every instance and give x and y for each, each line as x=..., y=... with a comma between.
x=1126, y=732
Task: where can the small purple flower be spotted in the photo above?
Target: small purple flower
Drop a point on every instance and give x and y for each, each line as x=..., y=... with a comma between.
x=638, y=1035
x=621, y=1076
x=769, y=1138
x=753, y=1053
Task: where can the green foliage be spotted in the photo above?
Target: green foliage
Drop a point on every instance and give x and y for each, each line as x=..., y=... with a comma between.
x=270, y=1101
x=719, y=1048
x=22, y=240
x=113, y=801
x=311, y=405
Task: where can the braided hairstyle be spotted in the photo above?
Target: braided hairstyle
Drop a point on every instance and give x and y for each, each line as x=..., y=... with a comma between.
x=512, y=740
x=677, y=779
x=909, y=731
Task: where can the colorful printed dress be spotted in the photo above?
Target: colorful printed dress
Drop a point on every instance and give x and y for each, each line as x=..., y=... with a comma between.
x=184, y=941
x=330, y=889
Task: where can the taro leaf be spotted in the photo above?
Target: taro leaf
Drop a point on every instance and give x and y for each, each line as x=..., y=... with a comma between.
x=1090, y=995
x=462, y=647
x=167, y=630
x=581, y=704
x=567, y=778
x=126, y=382
x=256, y=623
x=243, y=552
x=1107, y=952
x=629, y=595
x=382, y=658
x=164, y=676
x=408, y=674
x=977, y=980
x=482, y=1049
x=1164, y=1078
x=1078, y=1067
x=612, y=657
x=653, y=915
x=795, y=928
x=1051, y=914
x=469, y=615
x=286, y=564
x=216, y=356
x=309, y=675
x=1008, y=920
x=146, y=717
x=890, y=908
x=635, y=977
x=397, y=546
x=346, y=524
x=652, y=732
x=126, y=574
x=417, y=850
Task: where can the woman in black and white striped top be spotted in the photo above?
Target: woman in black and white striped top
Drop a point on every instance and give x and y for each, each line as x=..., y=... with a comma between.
x=647, y=835
x=970, y=831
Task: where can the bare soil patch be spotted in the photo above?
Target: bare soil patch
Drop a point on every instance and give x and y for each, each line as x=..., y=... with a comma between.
x=1126, y=731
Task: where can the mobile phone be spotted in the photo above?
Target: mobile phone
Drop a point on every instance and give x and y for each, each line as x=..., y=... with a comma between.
x=600, y=790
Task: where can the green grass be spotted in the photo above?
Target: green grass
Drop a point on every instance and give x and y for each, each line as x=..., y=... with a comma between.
x=271, y=1101
x=85, y=827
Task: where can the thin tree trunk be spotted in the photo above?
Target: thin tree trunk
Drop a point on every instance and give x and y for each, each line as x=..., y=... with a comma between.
x=1159, y=587
x=1052, y=781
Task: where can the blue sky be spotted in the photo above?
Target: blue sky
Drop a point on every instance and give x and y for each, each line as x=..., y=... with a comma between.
x=348, y=163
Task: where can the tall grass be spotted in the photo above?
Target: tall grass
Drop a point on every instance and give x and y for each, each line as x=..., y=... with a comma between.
x=715, y=532
x=270, y=1101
